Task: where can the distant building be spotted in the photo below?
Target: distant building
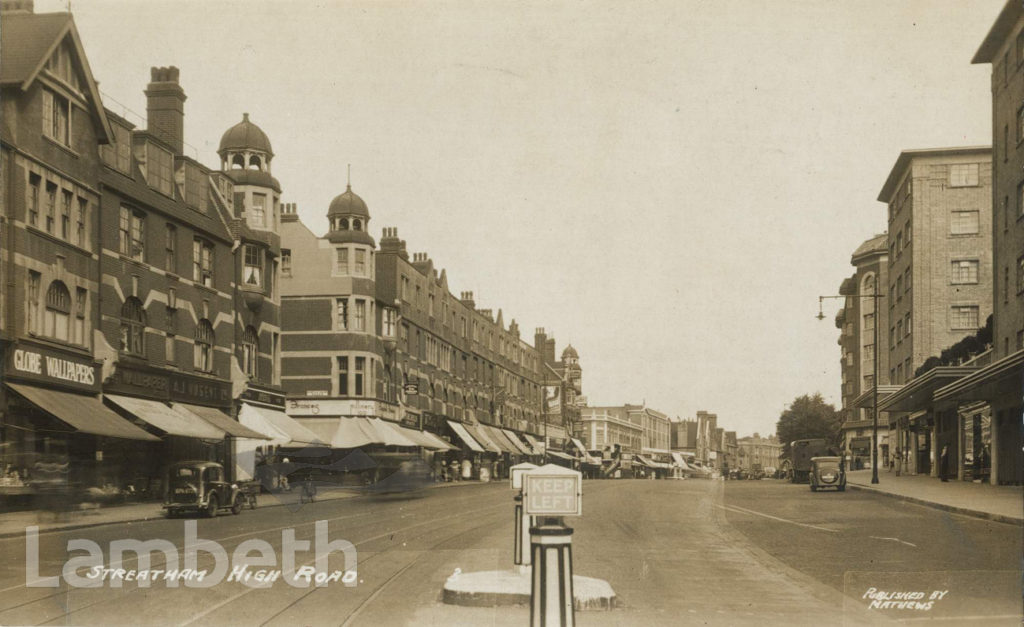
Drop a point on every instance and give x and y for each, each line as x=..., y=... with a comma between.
x=758, y=451
x=707, y=448
x=684, y=436
x=563, y=386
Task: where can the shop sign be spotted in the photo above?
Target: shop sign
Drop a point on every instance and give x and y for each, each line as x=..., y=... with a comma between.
x=138, y=383
x=411, y=388
x=552, y=491
x=261, y=396
x=47, y=365
x=188, y=389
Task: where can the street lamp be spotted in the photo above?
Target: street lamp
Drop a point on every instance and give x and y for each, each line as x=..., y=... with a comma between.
x=874, y=391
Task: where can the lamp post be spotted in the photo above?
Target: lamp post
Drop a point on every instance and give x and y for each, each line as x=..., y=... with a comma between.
x=874, y=386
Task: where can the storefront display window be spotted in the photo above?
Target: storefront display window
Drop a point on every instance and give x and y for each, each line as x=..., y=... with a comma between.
x=977, y=446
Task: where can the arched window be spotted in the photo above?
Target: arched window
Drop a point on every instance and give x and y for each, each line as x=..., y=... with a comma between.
x=250, y=351
x=203, y=349
x=58, y=312
x=343, y=224
x=133, y=326
x=238, y=162
x=357, y=225
x=254, y=163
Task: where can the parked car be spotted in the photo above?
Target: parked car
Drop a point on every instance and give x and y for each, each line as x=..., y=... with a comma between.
x=827, y=472
x=199, y=486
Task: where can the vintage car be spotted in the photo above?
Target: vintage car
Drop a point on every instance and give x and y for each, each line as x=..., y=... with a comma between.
x=827, y=472
x=199, y=486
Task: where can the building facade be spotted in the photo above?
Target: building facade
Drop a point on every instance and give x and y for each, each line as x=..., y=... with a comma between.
x=369, y=331
x=684, y=436
x=758, y=451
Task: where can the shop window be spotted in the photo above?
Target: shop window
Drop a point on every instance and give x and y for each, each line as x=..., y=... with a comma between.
x=203, y=350
x=250, y=351
x=133, y=327
x=57, y=321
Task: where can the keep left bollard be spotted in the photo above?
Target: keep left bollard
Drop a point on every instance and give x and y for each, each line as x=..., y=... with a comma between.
x=551, y=594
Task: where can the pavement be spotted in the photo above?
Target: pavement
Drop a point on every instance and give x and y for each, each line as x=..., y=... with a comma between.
x=14, y=523
x=981, y=500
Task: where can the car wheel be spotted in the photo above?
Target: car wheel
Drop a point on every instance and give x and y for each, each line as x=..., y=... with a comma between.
x=212, y=507
x=236, y=506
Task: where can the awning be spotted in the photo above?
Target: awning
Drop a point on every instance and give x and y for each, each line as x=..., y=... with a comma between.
x=220, y=420
x=561, y=455
x=680, y=461
x=917, y=394
x=460, y=431
x=538, y=447
x=587, y=457
x=391, y=434
x=280, y=423
x=987, y=383
x=498, y=437
x=251, y=417
x=484, y=439
x=518, y=443
x=426, y=439
x=166, y=419
x=650, y=463
x=85, y=413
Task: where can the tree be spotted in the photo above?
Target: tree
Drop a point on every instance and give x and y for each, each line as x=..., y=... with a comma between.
x=808, y=417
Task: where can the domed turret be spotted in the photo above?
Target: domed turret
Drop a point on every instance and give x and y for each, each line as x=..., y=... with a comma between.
x=245, y=146
x=349, y=219
x=570, y=353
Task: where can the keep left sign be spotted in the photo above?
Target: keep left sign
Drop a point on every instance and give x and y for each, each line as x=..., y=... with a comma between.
x=552, y=491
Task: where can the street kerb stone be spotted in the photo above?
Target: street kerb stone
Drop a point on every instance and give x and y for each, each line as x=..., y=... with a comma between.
x=497, y=588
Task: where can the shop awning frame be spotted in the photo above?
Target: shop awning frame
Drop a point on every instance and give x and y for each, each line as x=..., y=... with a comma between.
x=86, y=414
x=220, y=420
x=483, y=438
x=164, y=418
x=917, y=394
x=255, y=417
x=517, y=442
x=467, y=439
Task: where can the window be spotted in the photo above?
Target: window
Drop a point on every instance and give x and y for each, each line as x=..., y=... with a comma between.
x=250, y=351
x=908, y=230
x=899, y=242
x=170, y=246
x=65, y=215
x=341, y=318
x=964, y=271
x=1020, y=124
x=133, y=326
x=389, y=318
x=117, y=154
x=33, y=301
x=430, y=305
x=252, y=273
x=159, y=166
x=360, y=373
x=1020, y=274
x=56, y=117
x=907, y=324
x=342, y=376
x=170, y=352
x=203, y=350
x=202, y=262
x=963, y=175
x=906, y=279
x=405, y=337
x=34, y=183
x=83, y=219
x=131, y=234
x=1006, y=142
x=57, y=323
x=196, y=184
x=286, y=262
x=964, y=317
x=899, y=331
x=869, y=322
x=964, y=223
x=405, y=288
x=259, y=211
x=51, y=205
x=899, y=287
x=81, y=302
x=360, y=269
x=341, y=261
x=360, y=315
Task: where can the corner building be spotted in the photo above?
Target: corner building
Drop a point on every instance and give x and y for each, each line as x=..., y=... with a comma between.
x=369, y=332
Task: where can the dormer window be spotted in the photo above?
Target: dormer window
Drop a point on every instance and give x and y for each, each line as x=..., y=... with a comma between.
x=158, y=168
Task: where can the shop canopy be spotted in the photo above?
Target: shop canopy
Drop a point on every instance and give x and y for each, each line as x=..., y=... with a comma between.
x=347, y=432
x=219, y=419
x=518, y=443
x=498, y=437
x=538, y=448
x=587, y=457
x=426, y=439
x=467, y=439
x=166, y=419
x=85, y=413
x=680, y=461
x=650, y=463
x=284, y=430
x=483, y=438
x=561, y=455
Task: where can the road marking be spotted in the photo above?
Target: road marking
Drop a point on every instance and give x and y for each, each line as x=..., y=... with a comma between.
x=741, y=510
x=895, y=540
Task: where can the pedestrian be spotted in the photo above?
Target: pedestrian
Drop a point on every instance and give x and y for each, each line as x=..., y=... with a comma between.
x=899, y=462
x=944, y=463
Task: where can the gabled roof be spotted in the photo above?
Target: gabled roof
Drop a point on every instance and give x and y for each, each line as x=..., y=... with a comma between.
x=29, y=40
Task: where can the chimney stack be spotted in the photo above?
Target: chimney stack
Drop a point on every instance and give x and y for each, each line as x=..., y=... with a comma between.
x=165, y=107
x=17, y=6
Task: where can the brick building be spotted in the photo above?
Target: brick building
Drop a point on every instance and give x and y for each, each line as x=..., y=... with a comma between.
x=758, y=451
x=684, y=436
x=370, y=332
x=984, y=426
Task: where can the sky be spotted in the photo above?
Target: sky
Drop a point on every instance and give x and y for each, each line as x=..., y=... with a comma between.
x=669, y=186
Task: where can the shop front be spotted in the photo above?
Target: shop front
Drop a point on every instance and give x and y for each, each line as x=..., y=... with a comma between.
x=147, y=395
x=56, y=433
